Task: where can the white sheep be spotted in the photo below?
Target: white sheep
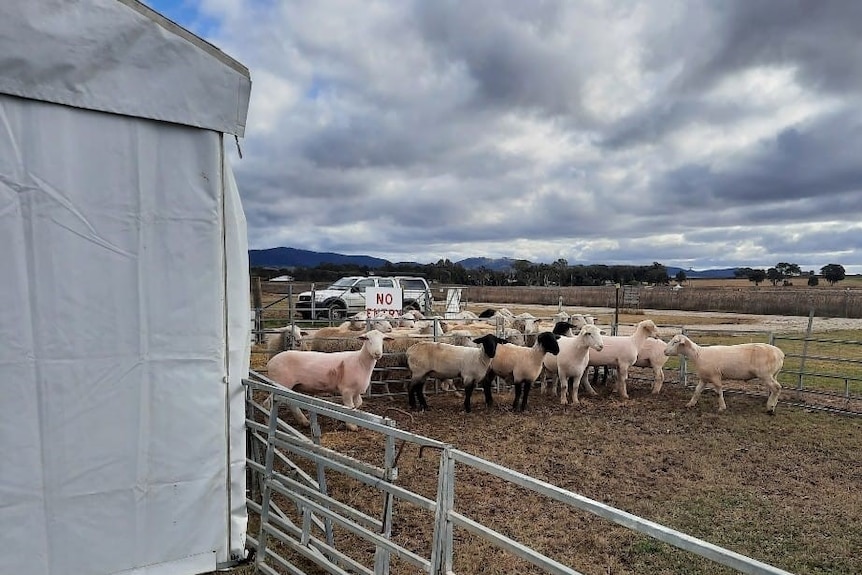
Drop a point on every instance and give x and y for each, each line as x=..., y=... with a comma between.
x=284, y=338
x=519, y=366
x=346, y=373
x=562, y=328
x=445, y=361
x=620, y=352
x=573, y=359
x=743, y=361
x=362, y=321
x=651, y=355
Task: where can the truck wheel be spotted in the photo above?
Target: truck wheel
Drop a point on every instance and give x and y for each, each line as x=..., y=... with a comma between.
x=336, y=312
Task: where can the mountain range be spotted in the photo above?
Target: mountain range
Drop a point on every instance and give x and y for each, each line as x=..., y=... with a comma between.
x=291, y=257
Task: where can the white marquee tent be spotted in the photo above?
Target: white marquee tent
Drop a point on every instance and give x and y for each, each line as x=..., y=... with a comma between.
x=124, y=326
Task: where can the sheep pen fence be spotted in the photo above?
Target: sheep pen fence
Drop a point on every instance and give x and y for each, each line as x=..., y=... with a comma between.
x=300, y=522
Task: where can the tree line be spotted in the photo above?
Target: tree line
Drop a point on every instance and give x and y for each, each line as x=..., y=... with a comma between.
x=558, y=273
x=784, y=273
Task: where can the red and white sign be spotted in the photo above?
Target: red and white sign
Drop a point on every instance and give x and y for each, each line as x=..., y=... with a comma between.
x=383, y=301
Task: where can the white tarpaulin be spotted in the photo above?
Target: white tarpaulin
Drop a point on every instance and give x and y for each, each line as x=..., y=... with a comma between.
x=124, y=302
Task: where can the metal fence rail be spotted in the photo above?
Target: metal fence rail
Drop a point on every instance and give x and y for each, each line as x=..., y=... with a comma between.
x=311, y=537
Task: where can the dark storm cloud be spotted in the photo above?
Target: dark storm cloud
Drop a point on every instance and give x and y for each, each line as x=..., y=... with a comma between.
x=812, y=167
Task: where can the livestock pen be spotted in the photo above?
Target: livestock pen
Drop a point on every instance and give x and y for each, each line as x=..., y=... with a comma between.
x=781, y=489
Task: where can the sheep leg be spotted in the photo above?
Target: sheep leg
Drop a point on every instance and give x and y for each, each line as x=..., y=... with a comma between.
x=566, y=391
x=468, y=391
x=349, y=400
x=572, y=387
x=518, y=389
x=659, y=380
x=486, y=387
x=622, y=376
x=299, y=416
x=417, y=391
x=718, y=389
x=697, y=391
x=774, y=392
x=588, y=388
x=528, y=385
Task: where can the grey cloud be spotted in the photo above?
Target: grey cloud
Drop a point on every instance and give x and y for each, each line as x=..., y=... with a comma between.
x=460, y=125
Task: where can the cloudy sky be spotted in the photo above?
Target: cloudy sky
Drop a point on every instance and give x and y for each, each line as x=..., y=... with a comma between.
x=697, y=134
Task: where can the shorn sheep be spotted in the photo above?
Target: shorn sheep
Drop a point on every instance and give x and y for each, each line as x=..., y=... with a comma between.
x=621, y=352
x=345, y=373
x=566, y=328
x=743, y=361
x=573, y=359
x=517, y=365
x=650, y=355
x=446, y=361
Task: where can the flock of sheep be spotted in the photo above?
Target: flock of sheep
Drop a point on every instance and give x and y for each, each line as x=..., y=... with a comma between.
x=341, y=360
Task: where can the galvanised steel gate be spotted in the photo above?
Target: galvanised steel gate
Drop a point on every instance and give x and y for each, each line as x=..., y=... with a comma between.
x=284, y=536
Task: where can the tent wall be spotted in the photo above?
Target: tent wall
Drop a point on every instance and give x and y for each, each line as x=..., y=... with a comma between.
x=122, y=264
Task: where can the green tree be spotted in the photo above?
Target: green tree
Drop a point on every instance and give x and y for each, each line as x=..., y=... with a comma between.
x=756, y=276
x=833, y=273
x=788, y=270
x=680, y=277
x=812, y=280
x=773, y=275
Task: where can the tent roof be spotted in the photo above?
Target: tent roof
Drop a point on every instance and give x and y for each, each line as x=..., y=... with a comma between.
x=122, y=57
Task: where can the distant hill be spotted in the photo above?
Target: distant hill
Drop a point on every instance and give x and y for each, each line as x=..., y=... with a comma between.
x=721, y=273
x=497, y=265
x=292, y=257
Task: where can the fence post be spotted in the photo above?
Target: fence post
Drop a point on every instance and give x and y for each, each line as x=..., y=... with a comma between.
x=441, y=545
x=260, y=555
x=804, y=351
x=257, y=302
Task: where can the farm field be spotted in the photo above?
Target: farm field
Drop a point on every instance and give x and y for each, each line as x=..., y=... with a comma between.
x=781, y=489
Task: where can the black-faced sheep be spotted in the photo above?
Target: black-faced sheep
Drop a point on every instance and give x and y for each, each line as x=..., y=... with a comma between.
x=519, y=366
x=446, y=361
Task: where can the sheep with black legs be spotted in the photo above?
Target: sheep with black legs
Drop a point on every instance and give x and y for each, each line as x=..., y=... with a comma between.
x=445, y=361
x=345, y=373
x=743, y=361
x=519, y=366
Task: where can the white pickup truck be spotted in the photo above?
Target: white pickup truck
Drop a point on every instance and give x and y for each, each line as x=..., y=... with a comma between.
x=347, y=296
